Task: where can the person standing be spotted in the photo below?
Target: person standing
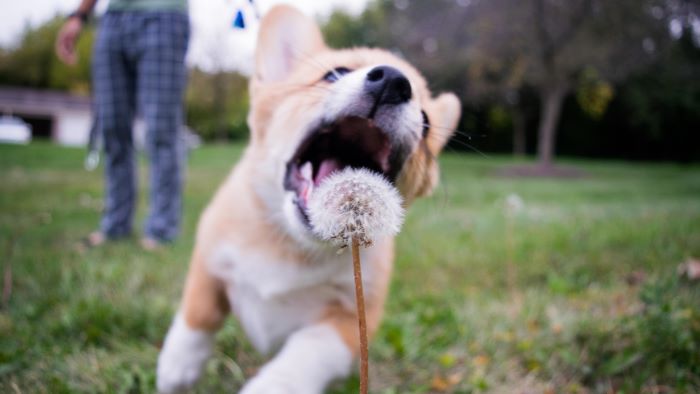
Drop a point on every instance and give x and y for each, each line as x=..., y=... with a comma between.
x=138, y=65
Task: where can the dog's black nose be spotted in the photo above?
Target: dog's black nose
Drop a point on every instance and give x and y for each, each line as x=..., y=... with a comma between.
x=387, y=85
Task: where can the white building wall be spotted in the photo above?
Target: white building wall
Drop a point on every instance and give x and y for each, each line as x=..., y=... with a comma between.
x=72, y=128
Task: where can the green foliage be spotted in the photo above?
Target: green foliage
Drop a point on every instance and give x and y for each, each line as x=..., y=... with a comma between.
x=593, y=94
x=667, y=91
x=489, y=54
x=33, y=62
x=450, y=42
x=669, y=329
x=368, y=29
x=342, y=31
x=656, y=341
x=217, y=105
x=498, y=117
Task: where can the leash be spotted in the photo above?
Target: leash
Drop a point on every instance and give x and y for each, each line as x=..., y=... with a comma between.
x=92, y=158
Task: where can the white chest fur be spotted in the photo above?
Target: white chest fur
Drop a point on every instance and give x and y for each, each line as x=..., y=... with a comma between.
x=274, y=298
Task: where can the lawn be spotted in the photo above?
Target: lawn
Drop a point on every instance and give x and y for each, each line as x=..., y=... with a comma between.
x=501, y=284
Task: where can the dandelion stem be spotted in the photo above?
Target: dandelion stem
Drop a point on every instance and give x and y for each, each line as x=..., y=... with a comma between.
x=360, y=299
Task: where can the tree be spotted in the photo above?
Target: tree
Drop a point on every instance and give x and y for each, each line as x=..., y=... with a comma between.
x=33, y=63
x=431, y=34
x=217, y=104
x=551, y=43
x=500, y=83
x=500, y=51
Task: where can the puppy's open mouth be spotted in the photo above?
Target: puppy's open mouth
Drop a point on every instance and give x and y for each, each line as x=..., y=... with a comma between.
x=349, y=142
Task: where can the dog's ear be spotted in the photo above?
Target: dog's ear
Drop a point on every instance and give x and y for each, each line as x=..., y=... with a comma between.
x=443, y=114
x=286, y=37
x=445, y=110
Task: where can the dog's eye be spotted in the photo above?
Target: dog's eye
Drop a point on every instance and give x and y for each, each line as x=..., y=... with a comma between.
x=335, y=74
x=426, y=124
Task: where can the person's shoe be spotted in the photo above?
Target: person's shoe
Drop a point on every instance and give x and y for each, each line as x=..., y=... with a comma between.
x=151, y=244
x=95, y=239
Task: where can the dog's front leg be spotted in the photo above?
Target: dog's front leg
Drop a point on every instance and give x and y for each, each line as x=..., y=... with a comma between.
x=188, y=345
x=185, y=351
x=310, y=359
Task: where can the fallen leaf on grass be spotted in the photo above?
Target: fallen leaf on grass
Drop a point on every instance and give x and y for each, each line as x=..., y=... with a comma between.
x=440, y=383
x=533, y=325
x=481, y=361
x=557, y=328
x=444, y=383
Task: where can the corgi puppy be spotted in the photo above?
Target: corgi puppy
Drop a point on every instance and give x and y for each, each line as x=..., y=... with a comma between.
x=314, y=110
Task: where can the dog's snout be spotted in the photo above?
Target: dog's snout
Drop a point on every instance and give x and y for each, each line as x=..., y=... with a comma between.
x=387, y=85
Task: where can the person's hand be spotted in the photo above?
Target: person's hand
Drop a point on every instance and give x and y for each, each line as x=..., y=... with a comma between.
x=66, y=40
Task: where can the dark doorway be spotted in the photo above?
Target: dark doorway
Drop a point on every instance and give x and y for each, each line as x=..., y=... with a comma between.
x=42, y=126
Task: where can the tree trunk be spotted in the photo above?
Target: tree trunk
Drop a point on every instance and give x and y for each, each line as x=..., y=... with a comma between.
x=552, y=99
x=519, y=141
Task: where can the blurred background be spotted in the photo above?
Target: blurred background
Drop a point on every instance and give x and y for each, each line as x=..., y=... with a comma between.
x=559, y=255
x=580, y=78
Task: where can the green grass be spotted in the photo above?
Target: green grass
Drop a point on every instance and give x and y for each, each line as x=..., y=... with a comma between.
x=566, y=321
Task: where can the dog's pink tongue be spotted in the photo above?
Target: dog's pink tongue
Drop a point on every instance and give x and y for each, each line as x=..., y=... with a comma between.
x=326, y=168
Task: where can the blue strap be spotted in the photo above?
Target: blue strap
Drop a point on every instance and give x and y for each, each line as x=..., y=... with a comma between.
x=239, y=21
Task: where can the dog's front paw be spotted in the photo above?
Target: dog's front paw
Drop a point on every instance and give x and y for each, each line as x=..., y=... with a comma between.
x=182, y=359
x=175, y=376
x=267, y=384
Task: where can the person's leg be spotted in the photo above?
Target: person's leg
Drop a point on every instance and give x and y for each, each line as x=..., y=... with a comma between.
x=161, y=82
x=114, y=96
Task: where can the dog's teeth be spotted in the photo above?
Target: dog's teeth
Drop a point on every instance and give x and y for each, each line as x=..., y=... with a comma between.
x=307, y=171
x=307, y=174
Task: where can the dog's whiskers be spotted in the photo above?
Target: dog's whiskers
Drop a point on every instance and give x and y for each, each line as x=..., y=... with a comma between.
x=446, y=130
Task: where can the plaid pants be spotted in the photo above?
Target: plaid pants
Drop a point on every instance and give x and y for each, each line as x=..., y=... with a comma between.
x=138, y=64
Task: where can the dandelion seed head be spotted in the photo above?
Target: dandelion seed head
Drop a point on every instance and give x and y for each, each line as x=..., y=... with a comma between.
x=355, y=203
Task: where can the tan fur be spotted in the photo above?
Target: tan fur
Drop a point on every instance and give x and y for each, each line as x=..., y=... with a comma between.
x=280, y=107
x=204, y=303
